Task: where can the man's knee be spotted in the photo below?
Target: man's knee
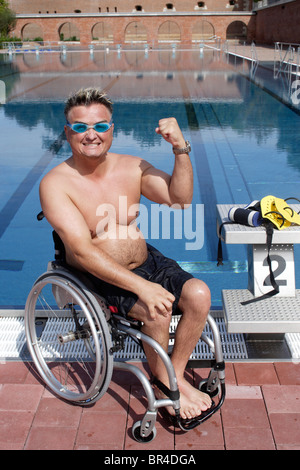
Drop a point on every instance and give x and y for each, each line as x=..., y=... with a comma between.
x=195, y=296
x=139, y=312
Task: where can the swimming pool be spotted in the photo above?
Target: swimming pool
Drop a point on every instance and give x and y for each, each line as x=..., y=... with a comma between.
x=245, y=145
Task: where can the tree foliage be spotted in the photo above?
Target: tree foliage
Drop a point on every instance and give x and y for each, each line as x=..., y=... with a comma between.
x=7, y=19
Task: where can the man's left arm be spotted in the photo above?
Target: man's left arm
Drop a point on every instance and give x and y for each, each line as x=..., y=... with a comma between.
x=162, y=188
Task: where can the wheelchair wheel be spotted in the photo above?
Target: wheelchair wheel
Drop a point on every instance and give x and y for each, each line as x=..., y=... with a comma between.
x=136, y=432
x=203, y=388
x=68, y=338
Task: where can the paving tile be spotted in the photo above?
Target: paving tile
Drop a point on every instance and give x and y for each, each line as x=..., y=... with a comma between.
x=20, y=397
x=282, y=398
x=198, y=447
x=244, y=413
x=230, y=374
x=51, y=438
x=103, y=429
x=13, y=372
x=116, y=398
x=57, y=413
x=255, y=373
x=33, y=376
x=138, y=402
x=248, y=438
x=287, y=447
x=206, y=434
x=164, y=439
x=262, y=405
x=112, y=447
x=203, y=374
x=244, y=392
x=14, y=428
x=286, y=428
x=288, y=373
x=126, y=377
x=137, y=409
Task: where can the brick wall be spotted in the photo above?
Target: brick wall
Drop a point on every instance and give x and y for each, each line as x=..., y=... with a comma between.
x=128, y=6
x=279, y=23
x=185, y=28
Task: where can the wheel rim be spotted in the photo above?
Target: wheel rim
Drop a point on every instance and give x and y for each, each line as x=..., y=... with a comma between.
x=67, y=341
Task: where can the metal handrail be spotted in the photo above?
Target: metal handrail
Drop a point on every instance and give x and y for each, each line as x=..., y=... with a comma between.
x=288, y=58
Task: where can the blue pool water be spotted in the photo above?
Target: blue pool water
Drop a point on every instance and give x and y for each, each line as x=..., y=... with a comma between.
x=245, y=145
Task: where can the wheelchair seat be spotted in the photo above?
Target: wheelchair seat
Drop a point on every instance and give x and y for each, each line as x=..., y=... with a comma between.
x=72, y=336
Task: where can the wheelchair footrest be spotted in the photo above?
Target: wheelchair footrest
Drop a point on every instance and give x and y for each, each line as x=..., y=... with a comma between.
x=189, y=424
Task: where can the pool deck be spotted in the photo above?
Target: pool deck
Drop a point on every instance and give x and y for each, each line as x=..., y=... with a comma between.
x=261, y=412
x=261, y=409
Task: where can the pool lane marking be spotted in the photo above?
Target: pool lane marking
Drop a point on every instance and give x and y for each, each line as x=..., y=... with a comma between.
x=25, y=187
x=205, y=180
x=75, y=69
x=11, y=265
x=221, y=127
x=31, y=89
x=16, y=200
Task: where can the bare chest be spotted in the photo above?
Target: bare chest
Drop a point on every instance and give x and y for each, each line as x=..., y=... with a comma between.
x=105, y=204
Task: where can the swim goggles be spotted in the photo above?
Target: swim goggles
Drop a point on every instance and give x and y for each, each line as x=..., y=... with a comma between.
x=80, y=127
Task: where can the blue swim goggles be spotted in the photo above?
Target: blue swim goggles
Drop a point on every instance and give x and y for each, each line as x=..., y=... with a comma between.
x=80, y=127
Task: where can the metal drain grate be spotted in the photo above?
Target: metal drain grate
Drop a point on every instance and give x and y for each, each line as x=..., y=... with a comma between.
x=293, y=341
x=233, y=345
x=13, y=342
x=12, y=337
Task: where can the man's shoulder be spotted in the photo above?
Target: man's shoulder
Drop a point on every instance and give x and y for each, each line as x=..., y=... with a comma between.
x=127, y=158
x=132, y=161
x=55, y=174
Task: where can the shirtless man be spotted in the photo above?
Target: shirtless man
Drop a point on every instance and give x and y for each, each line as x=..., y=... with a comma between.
x=73, y=198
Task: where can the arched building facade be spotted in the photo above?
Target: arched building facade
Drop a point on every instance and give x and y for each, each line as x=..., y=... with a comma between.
x=139, y=28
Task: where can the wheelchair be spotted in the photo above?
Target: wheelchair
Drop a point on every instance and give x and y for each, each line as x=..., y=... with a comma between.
x=72, y=336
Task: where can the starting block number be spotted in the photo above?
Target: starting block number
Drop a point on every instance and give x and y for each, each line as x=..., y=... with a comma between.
x=283, y=267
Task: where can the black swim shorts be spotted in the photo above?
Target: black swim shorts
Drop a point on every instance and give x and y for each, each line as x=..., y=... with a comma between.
x=157, y=268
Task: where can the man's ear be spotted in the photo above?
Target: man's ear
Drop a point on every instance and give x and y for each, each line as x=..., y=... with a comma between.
x=66, y=129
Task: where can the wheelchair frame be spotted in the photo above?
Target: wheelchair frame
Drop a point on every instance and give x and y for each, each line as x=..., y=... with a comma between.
x=99, y=333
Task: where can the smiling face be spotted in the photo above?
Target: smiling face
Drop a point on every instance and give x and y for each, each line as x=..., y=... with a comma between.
x=89, y=144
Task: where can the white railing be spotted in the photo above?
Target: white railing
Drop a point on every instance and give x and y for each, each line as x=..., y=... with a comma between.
x=242, y=51
x=267, y=4
x=286, y=58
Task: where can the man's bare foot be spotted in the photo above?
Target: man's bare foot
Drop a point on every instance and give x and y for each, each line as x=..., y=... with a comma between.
x=197, y=401
x=192, y=401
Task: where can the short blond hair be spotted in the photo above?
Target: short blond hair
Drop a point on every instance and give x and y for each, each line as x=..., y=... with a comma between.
x=86, y=97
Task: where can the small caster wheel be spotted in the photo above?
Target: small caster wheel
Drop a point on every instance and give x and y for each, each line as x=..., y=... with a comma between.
x=136, y=431
x=203, y=388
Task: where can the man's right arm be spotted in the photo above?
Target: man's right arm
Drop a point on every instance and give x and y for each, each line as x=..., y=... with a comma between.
x=68, y=222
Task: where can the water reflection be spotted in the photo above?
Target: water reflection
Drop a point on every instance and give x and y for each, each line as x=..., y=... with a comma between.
x=245, y=140
x=153, y=82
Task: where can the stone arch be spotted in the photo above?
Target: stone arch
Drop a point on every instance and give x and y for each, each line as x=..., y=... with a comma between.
x=31, y=31
x=136, y=32
x=169, y=31
x=69, y=31
x=202, y=30
x=237, y=30
x=102, y=32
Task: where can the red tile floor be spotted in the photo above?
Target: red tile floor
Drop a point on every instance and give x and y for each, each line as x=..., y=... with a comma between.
x=261, y=411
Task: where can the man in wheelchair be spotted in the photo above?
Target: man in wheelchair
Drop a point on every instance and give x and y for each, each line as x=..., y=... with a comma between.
x=77, y=198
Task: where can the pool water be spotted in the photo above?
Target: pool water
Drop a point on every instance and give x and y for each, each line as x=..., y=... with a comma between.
x=244, y=137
